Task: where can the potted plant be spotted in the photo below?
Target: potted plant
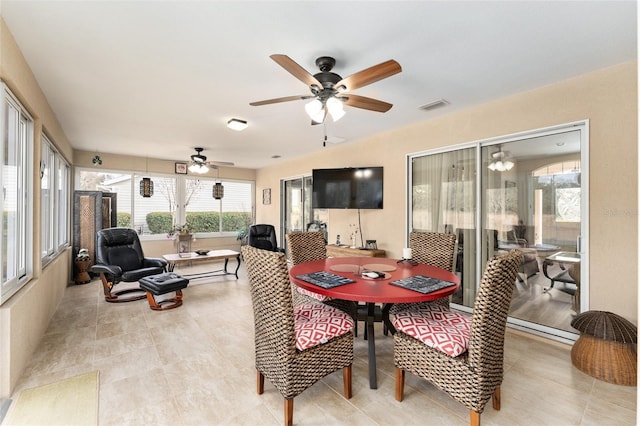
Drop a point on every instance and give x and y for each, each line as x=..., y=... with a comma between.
x=180, y=230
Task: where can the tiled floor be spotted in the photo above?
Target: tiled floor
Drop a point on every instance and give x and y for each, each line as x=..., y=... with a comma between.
x=194, y=365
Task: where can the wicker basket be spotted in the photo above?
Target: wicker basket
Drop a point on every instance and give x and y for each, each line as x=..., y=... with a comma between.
x=607, y=360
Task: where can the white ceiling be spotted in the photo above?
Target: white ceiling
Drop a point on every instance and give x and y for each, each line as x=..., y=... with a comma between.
x=160, y=78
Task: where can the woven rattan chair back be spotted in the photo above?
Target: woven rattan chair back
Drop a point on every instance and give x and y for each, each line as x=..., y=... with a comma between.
x=433, y=248
x=490, y=311
x=306, y=246
x=272, y=311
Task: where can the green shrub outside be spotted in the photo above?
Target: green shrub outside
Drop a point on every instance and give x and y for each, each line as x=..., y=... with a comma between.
x=162, y=222
x=124, y=220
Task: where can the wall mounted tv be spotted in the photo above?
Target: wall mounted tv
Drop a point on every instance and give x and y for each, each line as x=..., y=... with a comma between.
x=347, y=188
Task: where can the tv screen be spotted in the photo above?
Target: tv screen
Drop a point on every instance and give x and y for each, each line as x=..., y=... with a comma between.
x=347, y=188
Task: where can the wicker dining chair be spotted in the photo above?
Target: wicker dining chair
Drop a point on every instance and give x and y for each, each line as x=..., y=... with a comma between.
x=461, y=354
x=431, y=248
x=294, y=347
x=305, y=247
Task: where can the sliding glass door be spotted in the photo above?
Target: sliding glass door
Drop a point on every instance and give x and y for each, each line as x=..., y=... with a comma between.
x=296, y=206
x=443, y=199
x=527, y=192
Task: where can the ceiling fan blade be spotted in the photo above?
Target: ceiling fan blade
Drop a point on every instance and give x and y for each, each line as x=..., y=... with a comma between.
x=367, y=103
x=368, y=76
x=296, y=70
x=277, y=100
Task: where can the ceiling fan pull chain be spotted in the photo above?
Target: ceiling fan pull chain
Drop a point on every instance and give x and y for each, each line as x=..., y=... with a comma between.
x=324, y=142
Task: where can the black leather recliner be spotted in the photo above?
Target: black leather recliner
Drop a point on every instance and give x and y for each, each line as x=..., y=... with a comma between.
x=119, y=258
x=263, y=236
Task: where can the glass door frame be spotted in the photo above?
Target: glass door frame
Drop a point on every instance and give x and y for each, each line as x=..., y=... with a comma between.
x=305, y=204
x=583, y=127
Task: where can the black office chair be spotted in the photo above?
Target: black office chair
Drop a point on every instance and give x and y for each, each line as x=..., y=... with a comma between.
x=119, y=258
x=263, y=236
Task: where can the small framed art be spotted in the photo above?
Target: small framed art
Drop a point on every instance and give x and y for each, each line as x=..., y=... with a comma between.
x=266, y=196
x=181, y=168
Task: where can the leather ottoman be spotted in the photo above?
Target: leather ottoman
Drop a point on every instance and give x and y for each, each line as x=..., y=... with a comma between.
x=156, y=285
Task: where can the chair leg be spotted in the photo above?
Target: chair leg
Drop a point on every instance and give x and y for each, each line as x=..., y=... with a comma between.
x=495, y=398
x=288, y=412
x=346, y=379
x=260, y=382
x=399, y=384
x=114, y=296
x=474, y=418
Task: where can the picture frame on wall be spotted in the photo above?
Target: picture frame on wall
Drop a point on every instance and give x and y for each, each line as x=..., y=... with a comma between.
x=266, y=196
x=181, y=168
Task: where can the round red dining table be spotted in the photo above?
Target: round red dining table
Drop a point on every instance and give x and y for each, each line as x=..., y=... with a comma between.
x=372, y=291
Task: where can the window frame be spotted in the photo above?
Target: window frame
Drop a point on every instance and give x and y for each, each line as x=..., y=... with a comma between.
x=22, y=245
x=54, y=222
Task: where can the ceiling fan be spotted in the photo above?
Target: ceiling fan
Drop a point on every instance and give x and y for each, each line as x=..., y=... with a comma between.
x=199, y=163
x=328, y=89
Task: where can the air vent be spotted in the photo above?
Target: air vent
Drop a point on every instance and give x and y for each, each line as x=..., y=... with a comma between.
x=433, y=105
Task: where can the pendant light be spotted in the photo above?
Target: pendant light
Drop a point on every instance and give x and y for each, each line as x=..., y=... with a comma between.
x=218, y=189
x=146, y=184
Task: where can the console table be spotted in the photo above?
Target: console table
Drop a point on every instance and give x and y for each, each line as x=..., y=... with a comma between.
x=346, y=251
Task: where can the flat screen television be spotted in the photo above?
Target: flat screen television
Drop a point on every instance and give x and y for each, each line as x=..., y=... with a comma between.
x=347, y=188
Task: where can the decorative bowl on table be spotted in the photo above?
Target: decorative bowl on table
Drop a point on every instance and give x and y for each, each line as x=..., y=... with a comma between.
x=202, y=252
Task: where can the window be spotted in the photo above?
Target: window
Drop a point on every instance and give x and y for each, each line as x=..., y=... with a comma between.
x=207, y=215
x=157, y=215
x=16, y=128
x=54, y=189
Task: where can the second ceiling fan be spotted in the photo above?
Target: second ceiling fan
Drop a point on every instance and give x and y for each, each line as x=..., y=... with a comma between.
x=199, y=163
x=328, y=89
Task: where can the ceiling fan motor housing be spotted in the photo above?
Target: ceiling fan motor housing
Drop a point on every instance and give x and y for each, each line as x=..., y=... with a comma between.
x=327, y=78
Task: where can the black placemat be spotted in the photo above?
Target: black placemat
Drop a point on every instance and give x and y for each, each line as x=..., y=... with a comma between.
x=325, y=279
x=422, y=284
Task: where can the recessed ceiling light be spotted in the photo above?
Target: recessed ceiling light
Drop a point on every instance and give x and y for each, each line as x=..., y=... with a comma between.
x=237, y=124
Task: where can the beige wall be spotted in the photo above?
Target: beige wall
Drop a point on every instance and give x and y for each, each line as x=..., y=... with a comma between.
x=607, y=98
x=25, y=317
x=152, y=165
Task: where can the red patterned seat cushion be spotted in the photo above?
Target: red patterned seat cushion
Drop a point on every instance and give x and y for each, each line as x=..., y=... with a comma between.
x=313, y=295
x=316, y=324
x=436, y=326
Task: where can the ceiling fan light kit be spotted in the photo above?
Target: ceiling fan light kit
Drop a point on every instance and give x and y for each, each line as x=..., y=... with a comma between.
x=198, y=168
x=328, y=88
x=500, y=162
x=237, y=124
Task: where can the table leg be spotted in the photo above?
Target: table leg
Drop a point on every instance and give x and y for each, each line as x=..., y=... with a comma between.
x=171, y=266
x=373, y=381
x=237, y=267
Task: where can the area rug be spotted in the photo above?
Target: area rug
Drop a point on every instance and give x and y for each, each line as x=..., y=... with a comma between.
x=72, y=401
